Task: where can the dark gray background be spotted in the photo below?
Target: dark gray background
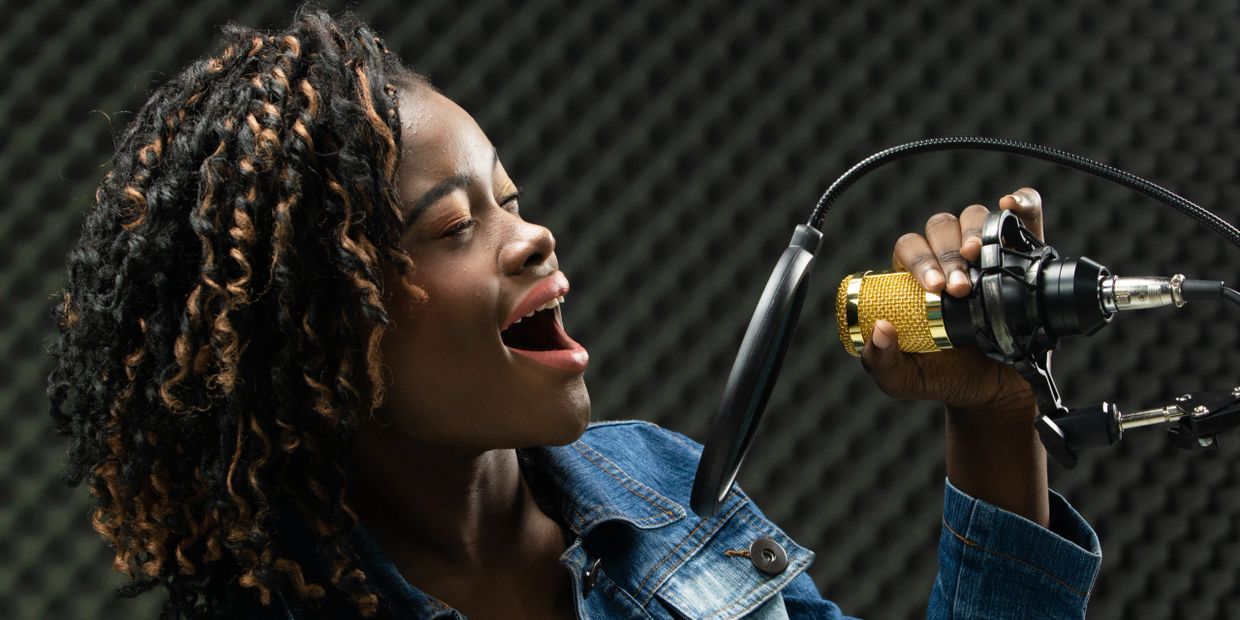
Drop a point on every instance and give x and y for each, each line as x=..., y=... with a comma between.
x=672, y=148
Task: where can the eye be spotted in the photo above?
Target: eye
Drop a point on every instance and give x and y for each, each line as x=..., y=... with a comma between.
x=459, y=229
x=511, y=199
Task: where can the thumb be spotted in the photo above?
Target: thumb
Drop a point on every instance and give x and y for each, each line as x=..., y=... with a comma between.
x=881, y=354
x=883, y=359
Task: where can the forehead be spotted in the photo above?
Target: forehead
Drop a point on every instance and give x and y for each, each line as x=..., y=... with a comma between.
x=439, y=139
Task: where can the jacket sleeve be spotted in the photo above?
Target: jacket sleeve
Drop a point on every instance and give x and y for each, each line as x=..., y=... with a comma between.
x=993, y=564
x=997, y=564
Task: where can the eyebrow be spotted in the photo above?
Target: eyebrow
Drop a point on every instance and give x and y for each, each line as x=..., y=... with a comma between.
x=443, y=188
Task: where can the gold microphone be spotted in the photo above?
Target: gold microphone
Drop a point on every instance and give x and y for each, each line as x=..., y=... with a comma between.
x=1074, y=297
x=896, y=296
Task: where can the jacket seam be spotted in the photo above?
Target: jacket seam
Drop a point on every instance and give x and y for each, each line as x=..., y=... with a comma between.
x=581, y=521
x=971, y=543
x=960, y=562
x=658, y=502
x=718, y=523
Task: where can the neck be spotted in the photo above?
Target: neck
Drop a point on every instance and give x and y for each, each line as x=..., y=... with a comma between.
x=463, y=511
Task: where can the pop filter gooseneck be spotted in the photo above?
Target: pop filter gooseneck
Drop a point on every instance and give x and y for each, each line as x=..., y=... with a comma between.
x=774, y=319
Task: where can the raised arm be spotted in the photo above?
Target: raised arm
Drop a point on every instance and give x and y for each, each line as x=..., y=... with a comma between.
x=1009, y=546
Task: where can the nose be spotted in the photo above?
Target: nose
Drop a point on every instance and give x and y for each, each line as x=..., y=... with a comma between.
x=533, y=244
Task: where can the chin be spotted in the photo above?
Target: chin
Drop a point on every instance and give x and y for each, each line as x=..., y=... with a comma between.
x=571, y=423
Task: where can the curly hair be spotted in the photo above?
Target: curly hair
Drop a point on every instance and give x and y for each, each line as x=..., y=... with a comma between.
x=218, y=332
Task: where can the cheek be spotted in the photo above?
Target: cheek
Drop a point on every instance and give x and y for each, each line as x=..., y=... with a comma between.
x=437, y=351
x=423, y=330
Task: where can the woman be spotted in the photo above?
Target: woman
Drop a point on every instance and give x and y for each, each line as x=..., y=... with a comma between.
x=311, y=363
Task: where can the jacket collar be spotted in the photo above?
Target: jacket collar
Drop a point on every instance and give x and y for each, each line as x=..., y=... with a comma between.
x=591, y=489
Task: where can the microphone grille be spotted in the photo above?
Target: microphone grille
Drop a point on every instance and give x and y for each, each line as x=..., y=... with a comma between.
x=896, y=296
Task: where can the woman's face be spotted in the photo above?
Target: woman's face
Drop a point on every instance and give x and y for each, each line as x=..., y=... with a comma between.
x=452, y=380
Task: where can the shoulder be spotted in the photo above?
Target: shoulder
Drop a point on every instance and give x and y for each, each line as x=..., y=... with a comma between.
x=660, y=458
x=641, y=474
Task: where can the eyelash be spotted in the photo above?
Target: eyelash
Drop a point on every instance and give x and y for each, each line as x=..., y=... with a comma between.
x=459, y=229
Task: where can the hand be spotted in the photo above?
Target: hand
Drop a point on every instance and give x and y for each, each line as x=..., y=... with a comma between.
x=964, y=379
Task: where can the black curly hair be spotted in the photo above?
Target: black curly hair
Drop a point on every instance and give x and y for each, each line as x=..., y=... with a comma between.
x=218, y=332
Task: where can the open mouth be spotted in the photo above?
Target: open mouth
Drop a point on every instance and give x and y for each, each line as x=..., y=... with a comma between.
x=540, y=332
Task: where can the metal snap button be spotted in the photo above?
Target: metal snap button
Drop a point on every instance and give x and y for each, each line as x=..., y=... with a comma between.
x=589, y=577
x=768, y=556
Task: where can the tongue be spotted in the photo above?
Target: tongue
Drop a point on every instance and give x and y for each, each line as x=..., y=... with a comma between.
x=535, y=333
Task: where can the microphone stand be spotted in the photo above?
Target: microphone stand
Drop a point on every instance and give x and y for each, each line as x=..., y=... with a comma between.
x=1198, y=418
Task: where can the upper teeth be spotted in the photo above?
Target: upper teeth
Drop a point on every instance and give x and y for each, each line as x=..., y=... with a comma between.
x=555, y=301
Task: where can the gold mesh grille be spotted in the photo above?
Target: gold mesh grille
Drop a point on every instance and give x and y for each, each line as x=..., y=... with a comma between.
x=894, y=296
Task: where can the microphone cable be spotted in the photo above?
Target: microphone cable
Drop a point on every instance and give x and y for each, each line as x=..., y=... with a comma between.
x=1037, y=151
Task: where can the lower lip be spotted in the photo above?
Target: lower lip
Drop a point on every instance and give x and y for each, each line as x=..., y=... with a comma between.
x=574, y=359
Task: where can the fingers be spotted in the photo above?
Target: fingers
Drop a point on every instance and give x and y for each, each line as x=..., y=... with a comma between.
x=943, y=234
x=971, y=220
x=1026, y=203
x=935, y=259
x=913, y=254
x=939, y=260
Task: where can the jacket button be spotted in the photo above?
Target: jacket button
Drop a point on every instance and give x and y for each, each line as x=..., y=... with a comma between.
x=589, y=577
x=767, y=556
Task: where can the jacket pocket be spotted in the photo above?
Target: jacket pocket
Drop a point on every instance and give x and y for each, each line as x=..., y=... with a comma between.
x=721, y=579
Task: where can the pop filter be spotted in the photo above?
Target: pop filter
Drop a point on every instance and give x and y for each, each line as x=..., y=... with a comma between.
x=754, y=371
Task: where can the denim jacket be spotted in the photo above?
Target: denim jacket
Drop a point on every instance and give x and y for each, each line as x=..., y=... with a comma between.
x=638, y=551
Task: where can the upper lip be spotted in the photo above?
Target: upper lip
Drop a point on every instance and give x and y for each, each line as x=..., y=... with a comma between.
x=544, y=291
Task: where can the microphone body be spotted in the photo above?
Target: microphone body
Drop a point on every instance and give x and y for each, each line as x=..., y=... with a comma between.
x=1064, y=298
x=864, y=298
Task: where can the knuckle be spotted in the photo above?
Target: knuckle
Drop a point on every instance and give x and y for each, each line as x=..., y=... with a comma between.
x=941, y=219
x=950, y=256
x=916, y=262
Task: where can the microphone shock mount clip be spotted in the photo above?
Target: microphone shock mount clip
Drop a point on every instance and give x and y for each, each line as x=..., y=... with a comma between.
x=1010, y=324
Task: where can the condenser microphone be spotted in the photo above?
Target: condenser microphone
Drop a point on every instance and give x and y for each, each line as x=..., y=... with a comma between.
x=1060, y=298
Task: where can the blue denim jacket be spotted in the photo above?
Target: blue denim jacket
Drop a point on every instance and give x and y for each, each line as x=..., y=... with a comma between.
x=638, y=551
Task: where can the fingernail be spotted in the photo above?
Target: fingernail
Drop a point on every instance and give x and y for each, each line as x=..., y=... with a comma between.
x=880, y=338
x=933, y=279
x=959, y=279
x=974, y=240
x=1022, y=199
